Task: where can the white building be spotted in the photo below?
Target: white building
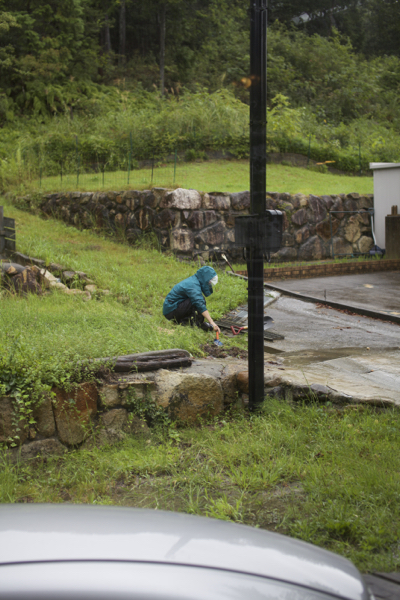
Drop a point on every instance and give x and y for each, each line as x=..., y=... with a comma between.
x=386, y=194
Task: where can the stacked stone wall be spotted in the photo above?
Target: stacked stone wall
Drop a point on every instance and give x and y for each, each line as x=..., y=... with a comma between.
x=307, y=231
x=194, y=224
x=103, y=413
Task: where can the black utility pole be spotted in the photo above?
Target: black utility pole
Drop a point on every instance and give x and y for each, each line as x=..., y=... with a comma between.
x=258, y=184
x=260, y=232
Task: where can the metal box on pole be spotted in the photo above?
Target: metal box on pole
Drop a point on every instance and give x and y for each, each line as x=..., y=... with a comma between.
x=263, y=232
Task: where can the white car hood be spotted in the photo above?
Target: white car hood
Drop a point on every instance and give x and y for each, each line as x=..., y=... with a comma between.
x=37, y=533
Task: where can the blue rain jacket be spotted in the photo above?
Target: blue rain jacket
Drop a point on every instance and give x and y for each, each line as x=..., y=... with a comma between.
x=193, y=287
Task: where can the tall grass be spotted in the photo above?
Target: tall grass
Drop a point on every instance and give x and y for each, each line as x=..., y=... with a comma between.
x=119, y=129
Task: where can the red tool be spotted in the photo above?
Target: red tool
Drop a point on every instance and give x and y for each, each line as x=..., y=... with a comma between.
x=238, y=330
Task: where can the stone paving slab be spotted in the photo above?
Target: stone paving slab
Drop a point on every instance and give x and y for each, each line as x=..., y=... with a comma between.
x=374, y=386
x=356, y=356
x=353, y=385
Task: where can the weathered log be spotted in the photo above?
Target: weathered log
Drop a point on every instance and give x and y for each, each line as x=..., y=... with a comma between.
x=156, y=357
x=147, y=361
x=174, y=352
x=152, y=365
x=154, y=353
x=28, y=260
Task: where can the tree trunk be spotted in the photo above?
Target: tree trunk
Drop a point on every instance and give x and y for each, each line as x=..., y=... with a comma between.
x=107, y=38
x=122, y=33
x=163, y=11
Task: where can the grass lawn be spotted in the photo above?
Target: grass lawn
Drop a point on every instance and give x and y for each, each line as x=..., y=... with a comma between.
x=51, y=333
x=328, y=476
x=209, y=176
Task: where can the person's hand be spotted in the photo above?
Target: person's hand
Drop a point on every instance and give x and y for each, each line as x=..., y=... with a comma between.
x=215, y=327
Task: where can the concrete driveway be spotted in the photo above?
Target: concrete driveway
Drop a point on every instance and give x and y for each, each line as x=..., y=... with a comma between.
x=355, y=356
x=372, y=291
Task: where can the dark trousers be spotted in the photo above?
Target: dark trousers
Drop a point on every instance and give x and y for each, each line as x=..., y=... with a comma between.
x=184, y=312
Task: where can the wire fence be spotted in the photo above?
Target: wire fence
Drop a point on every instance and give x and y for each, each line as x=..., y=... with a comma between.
x=91, y=163
x=99, y=176
x=75, y=165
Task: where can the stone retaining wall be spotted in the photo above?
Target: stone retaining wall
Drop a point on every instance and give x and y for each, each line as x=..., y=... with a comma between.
x=92, y=414
x=98, y=415
x=195, y=224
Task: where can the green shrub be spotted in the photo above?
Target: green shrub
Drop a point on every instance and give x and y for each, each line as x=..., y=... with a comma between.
x=190, y=155
x=318, y=168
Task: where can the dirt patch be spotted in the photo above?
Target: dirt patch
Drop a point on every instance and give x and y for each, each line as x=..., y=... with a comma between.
x=217, y=352
x=266, y=509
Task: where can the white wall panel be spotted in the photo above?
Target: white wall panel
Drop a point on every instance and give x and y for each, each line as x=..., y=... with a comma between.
x=386, y=193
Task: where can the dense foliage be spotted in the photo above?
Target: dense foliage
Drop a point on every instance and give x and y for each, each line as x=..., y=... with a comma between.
x=371, y=25
x=54, y=55
x=79, y=78
x=53, y=52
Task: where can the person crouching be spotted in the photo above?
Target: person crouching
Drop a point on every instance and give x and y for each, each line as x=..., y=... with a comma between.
x=185, y=303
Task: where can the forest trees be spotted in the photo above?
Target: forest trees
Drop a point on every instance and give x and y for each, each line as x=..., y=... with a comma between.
x=52, y=51
x=174, y=72
x=56, y=54
x=372, y=26
x=44, y=46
